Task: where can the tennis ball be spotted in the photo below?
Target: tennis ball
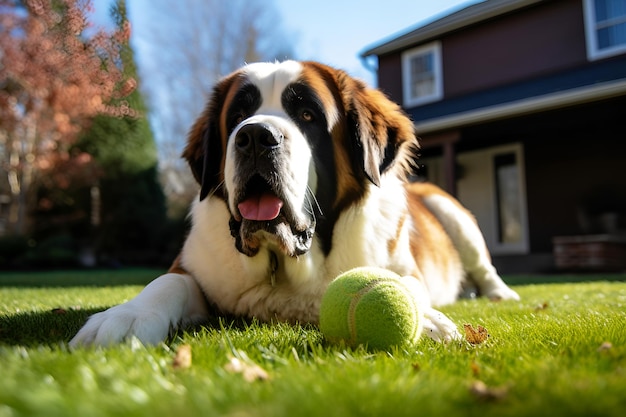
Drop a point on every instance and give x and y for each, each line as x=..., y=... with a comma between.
x=373, y=307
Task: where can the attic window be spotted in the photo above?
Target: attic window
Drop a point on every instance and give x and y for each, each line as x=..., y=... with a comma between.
x=605, y=27
x=422, y=78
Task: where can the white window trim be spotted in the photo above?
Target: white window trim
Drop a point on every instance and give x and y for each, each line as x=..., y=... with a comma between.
x=435, y=49
x=593, y=53
x=522, y=247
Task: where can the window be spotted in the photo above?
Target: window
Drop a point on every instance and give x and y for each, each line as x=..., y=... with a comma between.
x=605, y=27
x=422, y=75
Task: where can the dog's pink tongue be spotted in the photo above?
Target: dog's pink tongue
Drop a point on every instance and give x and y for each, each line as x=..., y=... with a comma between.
x=261, y=208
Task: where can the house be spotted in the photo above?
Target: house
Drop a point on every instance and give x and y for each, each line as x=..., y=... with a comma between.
x=521, y=110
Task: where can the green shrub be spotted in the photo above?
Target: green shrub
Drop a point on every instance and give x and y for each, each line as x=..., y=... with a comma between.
x=58, y=251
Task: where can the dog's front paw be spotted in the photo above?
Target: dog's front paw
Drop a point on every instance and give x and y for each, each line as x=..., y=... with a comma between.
x=439, y=327
x=120, y=323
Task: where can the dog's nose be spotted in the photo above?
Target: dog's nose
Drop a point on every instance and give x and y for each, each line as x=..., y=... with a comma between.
x=258, y=137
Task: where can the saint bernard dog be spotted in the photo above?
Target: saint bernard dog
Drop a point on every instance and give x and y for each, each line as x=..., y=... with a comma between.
x=303, y=175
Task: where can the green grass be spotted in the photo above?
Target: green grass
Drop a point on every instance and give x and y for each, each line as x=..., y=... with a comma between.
x=546, y=355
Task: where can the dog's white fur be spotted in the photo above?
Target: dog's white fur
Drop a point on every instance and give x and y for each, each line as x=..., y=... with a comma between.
x=253, y=287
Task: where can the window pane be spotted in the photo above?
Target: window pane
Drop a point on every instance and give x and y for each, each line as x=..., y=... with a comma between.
x=612, y=36
x=422, y=75
x=422, y=64
x=509, y=199
x=609, y=9
x=421, y=88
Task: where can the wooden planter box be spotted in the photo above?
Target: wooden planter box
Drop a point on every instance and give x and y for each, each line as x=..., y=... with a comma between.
x=590, y=252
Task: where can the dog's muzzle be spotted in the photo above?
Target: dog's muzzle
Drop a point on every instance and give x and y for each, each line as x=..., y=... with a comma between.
x=262, y=207
x=258, y=147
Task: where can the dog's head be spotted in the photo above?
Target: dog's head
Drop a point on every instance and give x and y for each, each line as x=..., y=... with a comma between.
x=288, y=146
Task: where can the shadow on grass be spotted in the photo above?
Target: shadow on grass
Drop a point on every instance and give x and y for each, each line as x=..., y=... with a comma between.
x=58, y=326
x=48, y=328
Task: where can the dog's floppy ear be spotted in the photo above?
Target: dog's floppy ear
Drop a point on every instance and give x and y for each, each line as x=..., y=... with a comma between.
x=381, y=130
x=205, y=142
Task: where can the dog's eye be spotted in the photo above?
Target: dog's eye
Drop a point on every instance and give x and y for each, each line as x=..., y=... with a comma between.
x=306, y=116
x=238, y=118
x=235, y=119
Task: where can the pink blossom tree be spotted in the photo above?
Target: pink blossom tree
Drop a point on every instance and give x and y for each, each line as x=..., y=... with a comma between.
x=56, y=74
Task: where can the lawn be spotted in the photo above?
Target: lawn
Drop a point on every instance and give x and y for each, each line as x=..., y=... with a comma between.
x=561, y=351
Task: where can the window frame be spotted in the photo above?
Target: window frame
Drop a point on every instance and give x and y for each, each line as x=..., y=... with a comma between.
x=433, y=48
x=591, y=35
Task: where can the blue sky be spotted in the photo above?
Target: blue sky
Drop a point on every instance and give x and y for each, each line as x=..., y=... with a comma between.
x=331, y=31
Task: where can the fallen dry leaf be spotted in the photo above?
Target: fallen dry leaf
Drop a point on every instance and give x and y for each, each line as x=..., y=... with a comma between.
x=481, y=391
x=250, y=371
x=475, y=336
x=182, y=359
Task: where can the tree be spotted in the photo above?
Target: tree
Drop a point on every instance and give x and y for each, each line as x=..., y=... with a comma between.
x=198, y=42
x=120, y=214
x=56, y=75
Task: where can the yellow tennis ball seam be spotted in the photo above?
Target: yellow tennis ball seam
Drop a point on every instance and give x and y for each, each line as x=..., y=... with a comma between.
x=363, y=291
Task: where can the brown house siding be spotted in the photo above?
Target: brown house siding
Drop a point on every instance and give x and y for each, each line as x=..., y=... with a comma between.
x=540, y=40
x=390, y=76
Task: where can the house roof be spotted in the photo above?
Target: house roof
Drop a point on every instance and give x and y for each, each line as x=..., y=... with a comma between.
x=468, y=16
